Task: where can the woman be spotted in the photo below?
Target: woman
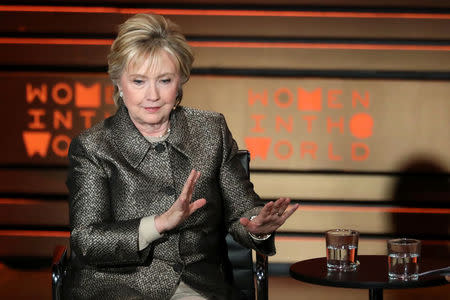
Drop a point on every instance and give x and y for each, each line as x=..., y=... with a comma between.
x=154, y=188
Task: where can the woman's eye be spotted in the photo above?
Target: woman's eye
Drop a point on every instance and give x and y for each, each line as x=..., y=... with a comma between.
x=138, y=81
x=166, y=80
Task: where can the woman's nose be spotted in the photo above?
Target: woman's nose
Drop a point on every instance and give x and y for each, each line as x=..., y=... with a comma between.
x=152, y=92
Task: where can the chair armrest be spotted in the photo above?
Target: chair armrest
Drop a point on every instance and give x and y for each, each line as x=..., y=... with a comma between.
x=59, y=269
x=262, y=285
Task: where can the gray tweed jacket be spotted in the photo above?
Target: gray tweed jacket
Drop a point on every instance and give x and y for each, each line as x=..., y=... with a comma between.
x=116, y=177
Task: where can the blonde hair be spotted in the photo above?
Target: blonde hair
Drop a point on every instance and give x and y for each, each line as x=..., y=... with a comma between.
x=142, y=37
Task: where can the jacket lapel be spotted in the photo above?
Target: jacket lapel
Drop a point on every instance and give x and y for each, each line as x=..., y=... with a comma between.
x=133, y=145
x=180, y=136
x=129, y=141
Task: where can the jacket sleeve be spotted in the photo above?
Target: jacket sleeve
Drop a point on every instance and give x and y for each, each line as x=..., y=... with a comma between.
x=96, y=237
x=240, y=199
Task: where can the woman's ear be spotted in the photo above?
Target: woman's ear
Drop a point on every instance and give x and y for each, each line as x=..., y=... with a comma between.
x=178, y=98
x=119, y=89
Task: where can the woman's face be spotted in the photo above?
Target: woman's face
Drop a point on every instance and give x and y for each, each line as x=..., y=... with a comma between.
x=150, y=91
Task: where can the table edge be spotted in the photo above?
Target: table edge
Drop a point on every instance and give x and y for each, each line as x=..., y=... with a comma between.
x=433, y=281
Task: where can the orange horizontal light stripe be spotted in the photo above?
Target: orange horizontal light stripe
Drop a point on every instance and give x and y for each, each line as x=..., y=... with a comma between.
x=56, y=41
x=302, y=207
x=22, y=201
x=435, y=242
x=223, y=12
x=386, y=209
x=280, y=238
x=220, y=44
x=6, y=201
x=360, y=46
x=298, y=238
x=66, y=234
x=35, y=233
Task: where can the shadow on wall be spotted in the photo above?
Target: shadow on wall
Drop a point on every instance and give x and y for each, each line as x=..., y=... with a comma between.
x=424, y=183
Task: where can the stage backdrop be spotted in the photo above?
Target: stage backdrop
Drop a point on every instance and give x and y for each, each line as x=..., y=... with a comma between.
x=344, y=108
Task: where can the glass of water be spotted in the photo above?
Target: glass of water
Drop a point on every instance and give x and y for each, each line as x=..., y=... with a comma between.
x=403, y=256
x=342, y=249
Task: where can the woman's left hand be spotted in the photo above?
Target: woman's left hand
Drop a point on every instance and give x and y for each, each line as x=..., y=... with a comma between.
x=270, y=218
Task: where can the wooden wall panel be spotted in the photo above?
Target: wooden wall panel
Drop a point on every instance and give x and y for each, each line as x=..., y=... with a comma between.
x=47, y=53
x=326, y=137
x=289, y=250
x=331, y=187
x=39, y=212
x=268, y=186
x=54, y=106
x=353, y=187
x=370, y=220
x=322, y=59
x=294, y=249
x=302, y=24
x=31, y=243
x=325, y=186
x=268, y=116
x=42, y=243
x=63, y=23
x=314, y=27
x=252, y=3
x=52, y=55
x=33, y=182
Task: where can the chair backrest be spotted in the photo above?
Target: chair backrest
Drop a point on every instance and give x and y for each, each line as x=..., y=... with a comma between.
x=59, y=271
x=240, y=258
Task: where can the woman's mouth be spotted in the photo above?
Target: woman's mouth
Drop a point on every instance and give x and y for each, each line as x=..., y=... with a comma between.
x=152, y=109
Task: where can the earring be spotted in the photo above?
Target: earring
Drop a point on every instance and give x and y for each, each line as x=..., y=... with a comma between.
x=121, y=94
x=178, y=98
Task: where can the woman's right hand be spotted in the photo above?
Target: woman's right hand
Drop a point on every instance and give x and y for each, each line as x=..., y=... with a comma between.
x=182, y=208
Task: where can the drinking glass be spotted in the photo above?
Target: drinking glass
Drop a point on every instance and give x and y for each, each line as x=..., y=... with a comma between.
x=403, y=256
x=342, y=249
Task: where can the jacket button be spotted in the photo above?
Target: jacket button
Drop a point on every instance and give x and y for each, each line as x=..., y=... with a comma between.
x=160, y=148
x=177, y=268
x=168, y=190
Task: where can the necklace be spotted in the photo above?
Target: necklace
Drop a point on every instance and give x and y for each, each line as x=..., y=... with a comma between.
x=159, y=138
x=164, y=134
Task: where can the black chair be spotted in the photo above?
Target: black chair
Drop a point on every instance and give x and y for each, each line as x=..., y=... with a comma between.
x=244, y=274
